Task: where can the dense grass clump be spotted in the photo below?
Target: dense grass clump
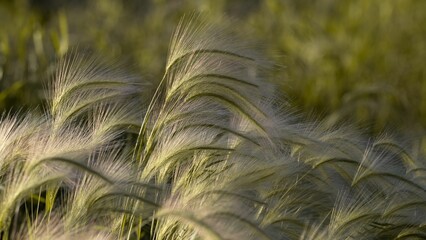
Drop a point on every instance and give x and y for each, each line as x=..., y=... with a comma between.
x=215, y=154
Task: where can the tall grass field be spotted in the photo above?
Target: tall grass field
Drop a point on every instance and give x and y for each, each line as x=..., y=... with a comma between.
x=216, y=153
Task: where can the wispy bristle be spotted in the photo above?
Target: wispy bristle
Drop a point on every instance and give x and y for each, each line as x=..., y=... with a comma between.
x=216, y=154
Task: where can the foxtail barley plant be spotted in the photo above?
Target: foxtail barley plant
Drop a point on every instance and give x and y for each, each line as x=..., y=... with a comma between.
x=215, y=154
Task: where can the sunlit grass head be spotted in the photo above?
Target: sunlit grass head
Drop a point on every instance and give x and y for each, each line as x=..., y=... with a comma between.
x=214, y=154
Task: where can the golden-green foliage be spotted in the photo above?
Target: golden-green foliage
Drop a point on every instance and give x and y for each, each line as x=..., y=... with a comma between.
x=359, y=60
x=214, y=154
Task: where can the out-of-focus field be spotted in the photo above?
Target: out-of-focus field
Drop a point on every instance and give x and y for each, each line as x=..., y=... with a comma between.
x=342, y=61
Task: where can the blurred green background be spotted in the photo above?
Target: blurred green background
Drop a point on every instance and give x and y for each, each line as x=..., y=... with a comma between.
x=361, y=62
